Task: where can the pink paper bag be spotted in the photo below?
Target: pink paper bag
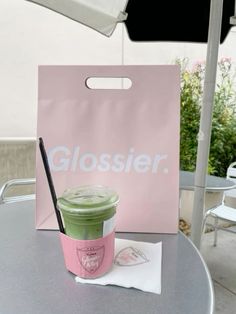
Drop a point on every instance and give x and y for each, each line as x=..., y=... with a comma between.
x=127, y=139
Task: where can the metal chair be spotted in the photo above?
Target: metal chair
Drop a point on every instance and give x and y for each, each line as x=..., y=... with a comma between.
x=222, y=211
x=16, y=182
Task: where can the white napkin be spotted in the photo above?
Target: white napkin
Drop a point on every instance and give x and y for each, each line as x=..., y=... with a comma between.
x=136, y=265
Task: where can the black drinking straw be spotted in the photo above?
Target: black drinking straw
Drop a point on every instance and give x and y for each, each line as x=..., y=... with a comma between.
x=50, y=183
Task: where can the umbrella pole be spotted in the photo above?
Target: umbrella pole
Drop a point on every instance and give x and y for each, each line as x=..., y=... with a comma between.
x=204, y=134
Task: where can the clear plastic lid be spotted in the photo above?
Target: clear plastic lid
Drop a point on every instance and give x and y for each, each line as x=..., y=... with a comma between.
x=88, y=198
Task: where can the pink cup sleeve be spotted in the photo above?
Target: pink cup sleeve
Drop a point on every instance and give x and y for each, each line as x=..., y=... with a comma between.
x=88, y=258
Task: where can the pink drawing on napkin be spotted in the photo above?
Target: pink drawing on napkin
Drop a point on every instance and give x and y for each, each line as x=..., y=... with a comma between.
x=91, y=258
x=130, y=256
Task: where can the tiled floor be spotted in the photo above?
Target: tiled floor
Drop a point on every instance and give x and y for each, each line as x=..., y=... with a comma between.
x=221, y=262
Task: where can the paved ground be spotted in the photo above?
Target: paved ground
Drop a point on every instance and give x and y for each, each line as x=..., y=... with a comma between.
x=221, y=261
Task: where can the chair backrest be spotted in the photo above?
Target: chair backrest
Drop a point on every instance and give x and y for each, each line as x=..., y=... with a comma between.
x=16, y=182
x=231, y=175
x=231, y=172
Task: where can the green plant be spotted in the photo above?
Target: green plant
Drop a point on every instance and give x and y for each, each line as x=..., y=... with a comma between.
x=223, y=139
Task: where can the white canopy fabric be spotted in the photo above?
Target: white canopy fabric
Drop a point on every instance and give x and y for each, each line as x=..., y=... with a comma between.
x=101, y=15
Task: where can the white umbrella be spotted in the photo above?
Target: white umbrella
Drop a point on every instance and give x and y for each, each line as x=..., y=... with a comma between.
x=101, y=15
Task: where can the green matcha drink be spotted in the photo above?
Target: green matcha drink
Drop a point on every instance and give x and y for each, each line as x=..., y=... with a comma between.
x=88, y=211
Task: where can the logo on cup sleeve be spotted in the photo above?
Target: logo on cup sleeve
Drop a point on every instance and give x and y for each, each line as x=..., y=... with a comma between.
x=90, y=258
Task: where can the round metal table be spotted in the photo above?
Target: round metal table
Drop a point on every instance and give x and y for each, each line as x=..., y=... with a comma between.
x=35, y=280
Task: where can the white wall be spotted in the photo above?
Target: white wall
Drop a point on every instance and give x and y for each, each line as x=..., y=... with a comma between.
x=31, y=35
